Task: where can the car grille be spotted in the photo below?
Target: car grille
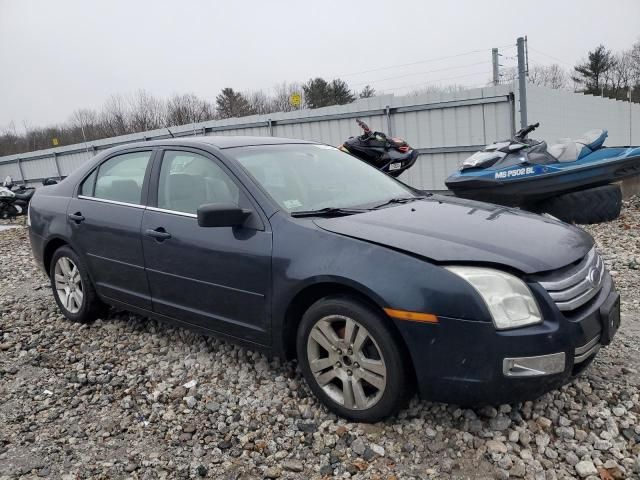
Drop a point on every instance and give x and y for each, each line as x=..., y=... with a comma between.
x=572, y=289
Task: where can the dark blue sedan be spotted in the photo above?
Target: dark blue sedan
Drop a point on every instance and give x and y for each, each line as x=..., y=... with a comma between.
x=304, y=251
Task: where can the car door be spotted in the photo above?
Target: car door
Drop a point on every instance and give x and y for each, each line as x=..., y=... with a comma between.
x=217, y=278
x=105, y=218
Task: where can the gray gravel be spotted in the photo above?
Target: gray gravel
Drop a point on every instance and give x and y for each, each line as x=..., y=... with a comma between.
x=127, y=397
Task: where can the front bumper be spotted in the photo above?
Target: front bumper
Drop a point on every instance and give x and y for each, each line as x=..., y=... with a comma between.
x=463, y=362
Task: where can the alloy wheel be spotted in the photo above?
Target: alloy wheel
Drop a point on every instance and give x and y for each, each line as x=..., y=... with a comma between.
x=346, y=362
x=68, y=284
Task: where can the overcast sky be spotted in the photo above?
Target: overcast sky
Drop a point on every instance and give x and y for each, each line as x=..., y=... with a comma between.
x=57, y=56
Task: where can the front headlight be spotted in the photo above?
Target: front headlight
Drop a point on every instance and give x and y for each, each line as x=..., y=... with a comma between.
x=508, y=298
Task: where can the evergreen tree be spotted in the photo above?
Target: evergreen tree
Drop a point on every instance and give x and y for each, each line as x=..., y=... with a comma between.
x=340, y=93
x=592, y=73
x=317, y=93
x=320, y=93
x=232, y=104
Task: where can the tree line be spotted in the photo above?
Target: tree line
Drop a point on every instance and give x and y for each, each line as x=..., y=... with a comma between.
x=141, y=111
x=602, y=73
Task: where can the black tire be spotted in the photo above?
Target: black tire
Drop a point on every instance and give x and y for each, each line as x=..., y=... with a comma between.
x=91, y=306
x=593, y=205
x=398, y=385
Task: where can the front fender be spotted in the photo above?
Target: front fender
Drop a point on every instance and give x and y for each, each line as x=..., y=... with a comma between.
x=389, y=278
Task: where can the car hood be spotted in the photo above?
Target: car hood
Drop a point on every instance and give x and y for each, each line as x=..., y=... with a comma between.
x=449, y=229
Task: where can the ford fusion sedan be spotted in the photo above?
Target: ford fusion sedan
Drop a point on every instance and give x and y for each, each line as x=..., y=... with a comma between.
x=304, y=251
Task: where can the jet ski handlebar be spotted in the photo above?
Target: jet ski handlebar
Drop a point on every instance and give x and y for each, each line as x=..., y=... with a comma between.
x=521, y=134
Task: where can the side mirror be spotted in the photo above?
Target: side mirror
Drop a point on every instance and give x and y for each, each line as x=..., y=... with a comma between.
x=49, y=181
x=222, y=215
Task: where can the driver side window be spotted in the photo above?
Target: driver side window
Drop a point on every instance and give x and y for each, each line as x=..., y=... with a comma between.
x=189, y=180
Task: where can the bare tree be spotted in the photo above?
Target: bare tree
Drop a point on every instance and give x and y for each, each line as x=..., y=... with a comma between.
x=281, y=100
x=188, y=108
x=438, y=89
x=551, y=76
x=145, y=112
x=259, y=102
x=367, y=92
x=84, y=125
x=114, y=117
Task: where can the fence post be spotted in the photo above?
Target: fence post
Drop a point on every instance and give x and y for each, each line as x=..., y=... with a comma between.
x=387, y=112
x=270, y=125
x=55, y=160
x=20, y=171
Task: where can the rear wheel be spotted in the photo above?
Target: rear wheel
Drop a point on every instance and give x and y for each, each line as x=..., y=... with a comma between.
x=72, y=288
x=352, y=360
x=593, y=205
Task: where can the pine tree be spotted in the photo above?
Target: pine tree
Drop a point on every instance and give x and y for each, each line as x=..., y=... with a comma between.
x=320, y=93
x=317, y=93
x=232, y=104
x=340, y=92
x=592, y=73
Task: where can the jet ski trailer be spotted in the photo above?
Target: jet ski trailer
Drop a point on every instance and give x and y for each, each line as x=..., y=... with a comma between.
x=532, y=175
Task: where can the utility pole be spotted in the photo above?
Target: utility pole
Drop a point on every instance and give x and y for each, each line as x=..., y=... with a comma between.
x=496, y=66
x=522, y=82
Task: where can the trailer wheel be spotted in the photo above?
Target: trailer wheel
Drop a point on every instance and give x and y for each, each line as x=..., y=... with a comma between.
x=593, y=205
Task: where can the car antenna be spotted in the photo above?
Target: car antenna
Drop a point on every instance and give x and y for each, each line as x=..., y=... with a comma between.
x=172, y=135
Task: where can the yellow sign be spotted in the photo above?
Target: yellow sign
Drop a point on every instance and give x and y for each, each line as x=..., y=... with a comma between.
x=295, y=99
x=55, y=141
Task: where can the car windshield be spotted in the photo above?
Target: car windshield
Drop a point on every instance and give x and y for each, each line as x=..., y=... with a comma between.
x=306, y=177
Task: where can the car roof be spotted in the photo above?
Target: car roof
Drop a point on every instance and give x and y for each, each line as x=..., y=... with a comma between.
x=226, y=141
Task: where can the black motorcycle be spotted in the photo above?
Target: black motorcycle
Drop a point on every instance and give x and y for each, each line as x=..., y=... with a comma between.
x=388, y=154
x=14, y=199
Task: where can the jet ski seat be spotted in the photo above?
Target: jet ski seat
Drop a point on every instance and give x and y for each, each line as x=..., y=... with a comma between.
x=568, y=150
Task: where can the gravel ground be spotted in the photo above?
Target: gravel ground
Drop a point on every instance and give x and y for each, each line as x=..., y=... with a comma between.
x=127, y=397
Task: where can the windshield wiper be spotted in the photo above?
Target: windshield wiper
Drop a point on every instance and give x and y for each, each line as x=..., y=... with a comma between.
x=328, y=211
x=401, y=200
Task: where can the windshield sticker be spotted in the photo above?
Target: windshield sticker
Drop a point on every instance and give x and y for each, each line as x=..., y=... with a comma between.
x=291, y=204
x=515, y=173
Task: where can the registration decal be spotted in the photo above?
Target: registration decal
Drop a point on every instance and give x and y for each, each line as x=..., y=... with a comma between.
x=515, y=172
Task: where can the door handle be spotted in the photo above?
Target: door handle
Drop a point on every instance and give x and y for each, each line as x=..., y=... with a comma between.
x=159, y=234
x=76, y=217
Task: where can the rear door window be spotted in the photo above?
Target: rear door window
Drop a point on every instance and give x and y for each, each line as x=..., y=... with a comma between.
x=121, y=177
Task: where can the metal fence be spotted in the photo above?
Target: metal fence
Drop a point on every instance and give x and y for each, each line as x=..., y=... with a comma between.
x=444, y=128
x=565, y=114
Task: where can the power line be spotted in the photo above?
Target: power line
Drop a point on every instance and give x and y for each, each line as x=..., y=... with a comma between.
x=419, y=73
x=550, y=56
x=437, y=59
x=432, y=82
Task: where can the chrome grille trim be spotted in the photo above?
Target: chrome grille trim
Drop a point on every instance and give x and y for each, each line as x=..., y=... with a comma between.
x=579, y=286
x=586, y=350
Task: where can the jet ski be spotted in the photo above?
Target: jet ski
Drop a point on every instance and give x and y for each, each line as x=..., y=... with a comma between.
x=525, y=172
x=389, y=154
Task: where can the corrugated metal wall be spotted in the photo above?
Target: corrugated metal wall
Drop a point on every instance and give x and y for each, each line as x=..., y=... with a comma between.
x=443, y=127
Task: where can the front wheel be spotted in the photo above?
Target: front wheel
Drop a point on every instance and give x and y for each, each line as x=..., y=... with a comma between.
x=352, y=360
